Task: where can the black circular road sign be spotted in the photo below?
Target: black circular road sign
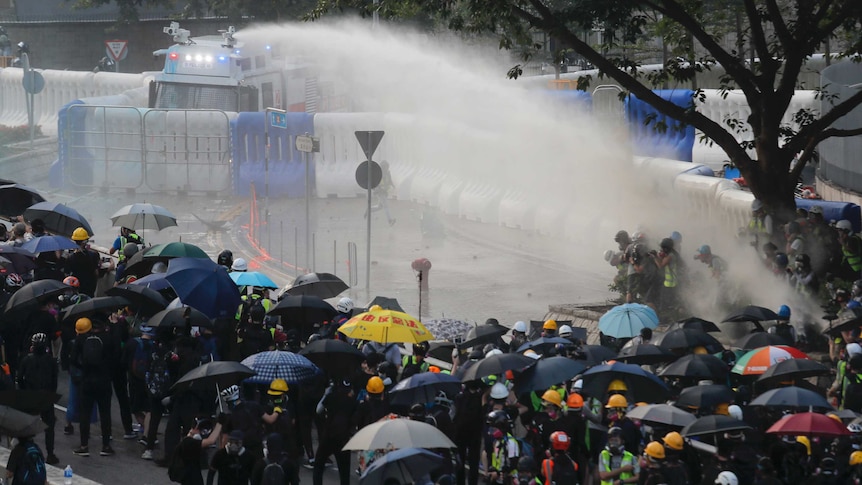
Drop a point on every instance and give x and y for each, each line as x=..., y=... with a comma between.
x=362, y=174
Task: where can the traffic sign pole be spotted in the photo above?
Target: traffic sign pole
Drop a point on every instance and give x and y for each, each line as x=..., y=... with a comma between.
x=368, y=140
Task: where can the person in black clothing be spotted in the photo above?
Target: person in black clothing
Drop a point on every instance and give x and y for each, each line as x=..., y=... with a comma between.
x=275, y=454
x=118, y=330
x=202, y=435
x=43, y=320
x=162, y=351
x=38, y=372
x=469, y=419
x=279, y=418
x=249, y=417
x=83, y=263
x=17, y=458
x=338, y=405
x=255, y=337
x=233, y=463
x=188, y=403
x=92, y=352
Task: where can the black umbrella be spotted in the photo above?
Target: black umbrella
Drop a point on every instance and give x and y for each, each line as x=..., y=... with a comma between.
x=695, y=323
x=138, y=265
x=496, y=365
x=423, y=388
x=704, y=396
x=218, y=373
x=180, y=317
x=386, y=303
x=645, y=354
x=594, y=354
x=546, y=373
x=30, y=402
x=15, y=423
x=697, y=366
x=334, y=357
x=848, y=319
x=543, y=345
x=662, y=414
x=145, y=301
x=713, y=424
x=642, y=385
x=35, y=293
x=441, y=350
x=303, y=311
x=59, y=218
x=791, y=397
x=100, y=304
x=16, y=198
x=20, y=260
x=324, y=285
x=792, y=369
x=483, y=334
x=759, y=339
x=686, y=340
x=751, y=313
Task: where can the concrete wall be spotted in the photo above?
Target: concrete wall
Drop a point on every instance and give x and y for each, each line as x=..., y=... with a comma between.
x=79, y=46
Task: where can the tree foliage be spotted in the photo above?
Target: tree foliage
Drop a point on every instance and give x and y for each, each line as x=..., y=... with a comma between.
x=769, y=42
x=234, y=10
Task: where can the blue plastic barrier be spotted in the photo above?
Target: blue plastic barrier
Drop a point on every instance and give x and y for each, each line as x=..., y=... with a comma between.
x=286, y=166
x=580, y=100
x=65, y=119
x=675, y=143
x=835, y=211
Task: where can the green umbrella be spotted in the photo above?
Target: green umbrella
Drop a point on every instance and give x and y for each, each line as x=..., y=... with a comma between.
x=176, y=250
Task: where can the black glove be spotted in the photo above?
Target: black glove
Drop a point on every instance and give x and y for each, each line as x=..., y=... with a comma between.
x=222, y=419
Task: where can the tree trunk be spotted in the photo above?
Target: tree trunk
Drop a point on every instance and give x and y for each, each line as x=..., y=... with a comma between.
x=770, y=181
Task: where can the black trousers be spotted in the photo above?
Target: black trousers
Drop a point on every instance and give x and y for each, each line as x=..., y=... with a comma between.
x=96, y=394
x=326, y=448
x=156, y=410
x=49, y=419
x=121, y=390
x=468, y=454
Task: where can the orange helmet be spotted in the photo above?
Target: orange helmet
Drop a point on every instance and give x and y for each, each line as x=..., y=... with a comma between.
x=72, y=281
x=574, y=401
x=560, y=441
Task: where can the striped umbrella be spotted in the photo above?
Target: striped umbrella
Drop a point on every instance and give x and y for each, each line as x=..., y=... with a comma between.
x=757, y=361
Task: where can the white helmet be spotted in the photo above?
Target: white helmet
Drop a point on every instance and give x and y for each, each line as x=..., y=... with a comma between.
x=578, y=384
x=726, y=478
x=159, y=267
x=735, y=412
x=239, y=264
x=520, y=327
x=494, y=352
x=345, y=305
x=608, y=255
x=844, y=225
x=499, y=391
x=853, y=349
x=565, y=331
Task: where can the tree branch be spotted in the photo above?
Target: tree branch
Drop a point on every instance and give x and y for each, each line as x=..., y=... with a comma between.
x=822, y=124
x=781, y=30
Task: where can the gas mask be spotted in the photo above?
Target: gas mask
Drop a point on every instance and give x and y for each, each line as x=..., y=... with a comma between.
x=234, y=448
x=197, y=436
x=615, y=446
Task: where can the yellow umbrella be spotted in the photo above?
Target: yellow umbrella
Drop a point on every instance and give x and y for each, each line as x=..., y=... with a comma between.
x=386, y=326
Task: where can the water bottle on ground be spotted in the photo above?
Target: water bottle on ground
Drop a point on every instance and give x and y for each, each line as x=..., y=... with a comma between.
x=67, y=475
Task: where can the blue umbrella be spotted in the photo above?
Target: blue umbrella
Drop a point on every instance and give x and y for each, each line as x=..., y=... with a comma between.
x=626, y=321
x=58, y=218
x=204, y=285
x=279, y=364
x=252, y=278
x=407, y=465
x=423, y=388
x=155, y=281
x=543, y=344
x=44, y=244
x=642, y=385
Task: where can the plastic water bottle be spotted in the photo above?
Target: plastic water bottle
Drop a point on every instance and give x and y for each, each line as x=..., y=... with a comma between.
x=67, y=475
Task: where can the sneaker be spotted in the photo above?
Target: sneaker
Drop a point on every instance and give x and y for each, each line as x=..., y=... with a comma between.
x=309, y=463
x=107, y=451
x=130, y=436
x=82, y=451
x=52, y=459
x=69, y=430
x=142, y=442
x=147, y=455
x=138, y=428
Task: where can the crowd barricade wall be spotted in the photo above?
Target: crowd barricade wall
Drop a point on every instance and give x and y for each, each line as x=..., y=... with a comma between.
x=481, y=202
x=517, y=211
x=675, y=141
x=340, y=153
x=285, y=174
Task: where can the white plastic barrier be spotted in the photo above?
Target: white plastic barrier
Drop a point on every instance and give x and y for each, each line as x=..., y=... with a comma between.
x=517, y=211
x=550, y=220
x=481, y=203
x=340, y=153
x=732, y=105
x=61, y=87
x=400, y=139
x=735, y=207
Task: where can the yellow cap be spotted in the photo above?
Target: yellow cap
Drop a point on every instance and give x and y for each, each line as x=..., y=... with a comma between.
x=277, y=387
x=673, y=440
x=375, y=385
x=617, y=401
x=83, y=325
x=617, y=385
x=654, y=449
x=550, y=325
x=553, y=397
x=805, y=441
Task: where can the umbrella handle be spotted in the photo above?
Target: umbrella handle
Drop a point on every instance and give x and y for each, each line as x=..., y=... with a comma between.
x=220, y=401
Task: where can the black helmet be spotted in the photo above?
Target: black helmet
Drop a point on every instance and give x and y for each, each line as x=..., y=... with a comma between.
x=225, y=258
x=257, y=313
x=130, y=249
x=622, y=236
x=499, y=419
x=421, y=348
x=666, y=244
x=804, y=259
x=526, y=464
x=387, y=369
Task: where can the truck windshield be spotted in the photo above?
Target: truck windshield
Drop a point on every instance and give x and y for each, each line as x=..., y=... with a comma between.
x=196, y=96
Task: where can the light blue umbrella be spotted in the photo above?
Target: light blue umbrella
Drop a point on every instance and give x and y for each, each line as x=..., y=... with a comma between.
x=252, y=278
x=626, y=321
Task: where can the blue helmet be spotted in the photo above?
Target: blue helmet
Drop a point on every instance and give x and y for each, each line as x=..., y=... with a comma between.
x=784, y=312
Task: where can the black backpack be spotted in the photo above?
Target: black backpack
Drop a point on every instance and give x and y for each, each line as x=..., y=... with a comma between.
x=176, y=466
x=564, y=472
x=158, y=376
x=784, y=331
x=273, y=474
x=853, y=393
x=92, y=354
x=32, y=470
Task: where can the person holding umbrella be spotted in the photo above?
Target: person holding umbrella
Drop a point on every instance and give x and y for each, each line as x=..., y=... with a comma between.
x=83, y=263
x=38, y=372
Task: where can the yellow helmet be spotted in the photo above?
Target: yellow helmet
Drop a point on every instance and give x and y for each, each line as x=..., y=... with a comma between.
x=856, y=458
x=550, y=325
x=805, y=441
x=375, y=385
x=375, y=308
x=617, y=401
x=83, y=325
x=836, y=418
x=617, y=385
x=553, y=397
x=277, y=387
x=722, y=409
x=654, y=450
x=673, y=440
x=80, y=234
x=700, y=349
